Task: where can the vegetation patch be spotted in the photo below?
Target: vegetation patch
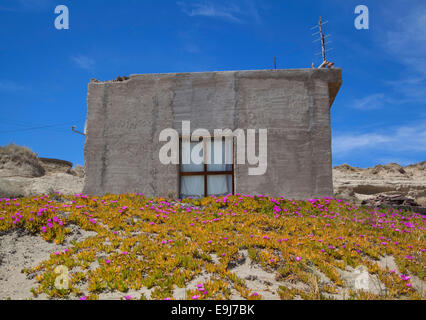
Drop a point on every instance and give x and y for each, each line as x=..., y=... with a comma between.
x=160, y=245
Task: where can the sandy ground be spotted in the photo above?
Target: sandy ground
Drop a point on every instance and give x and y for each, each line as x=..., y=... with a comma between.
x=21, y=250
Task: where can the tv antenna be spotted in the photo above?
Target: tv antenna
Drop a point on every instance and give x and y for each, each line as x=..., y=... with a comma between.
x=322, y=38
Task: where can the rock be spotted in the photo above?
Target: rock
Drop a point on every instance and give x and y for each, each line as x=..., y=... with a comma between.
x=360, y=279
x=78, y=171
x=9, y=189
x=390, y=200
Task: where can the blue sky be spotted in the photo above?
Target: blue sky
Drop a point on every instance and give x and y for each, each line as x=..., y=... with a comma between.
x=379, y=115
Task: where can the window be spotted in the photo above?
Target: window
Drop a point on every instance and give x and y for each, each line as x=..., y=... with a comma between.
x=203, y=180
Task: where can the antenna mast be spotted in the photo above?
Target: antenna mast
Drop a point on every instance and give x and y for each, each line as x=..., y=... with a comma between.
x=322, y=38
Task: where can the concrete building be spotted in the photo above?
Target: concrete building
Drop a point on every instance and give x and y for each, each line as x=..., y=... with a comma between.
x=125, y=118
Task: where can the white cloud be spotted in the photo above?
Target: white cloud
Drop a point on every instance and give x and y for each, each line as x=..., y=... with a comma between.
x=404, y=91
x=407, y=138
x=83, y=62
x=210, y=10
x=371, y=102
x=410, y=88
x=406, y=39
x=26, y=5
x=230, y=12
x=10, y=86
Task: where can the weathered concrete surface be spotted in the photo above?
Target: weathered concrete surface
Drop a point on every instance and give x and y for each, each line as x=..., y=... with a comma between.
x=124, y=120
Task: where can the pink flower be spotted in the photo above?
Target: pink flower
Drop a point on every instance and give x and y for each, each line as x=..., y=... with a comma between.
x=128, y=297
x=298, y=258
x=195, y=297
x=83, y=298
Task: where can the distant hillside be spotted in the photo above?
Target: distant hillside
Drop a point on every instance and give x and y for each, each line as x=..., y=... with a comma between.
x=23, y=173
x=357, y=184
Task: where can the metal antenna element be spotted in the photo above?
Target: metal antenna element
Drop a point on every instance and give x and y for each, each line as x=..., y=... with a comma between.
x=73, y=129
x=322, y=38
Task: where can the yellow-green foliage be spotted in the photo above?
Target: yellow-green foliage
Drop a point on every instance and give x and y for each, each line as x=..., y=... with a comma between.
x=162, y=244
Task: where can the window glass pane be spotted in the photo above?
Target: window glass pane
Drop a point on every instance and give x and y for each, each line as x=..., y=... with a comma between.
x=192, y=186
x=219, y=184
x=192, y=167
x=225, y=147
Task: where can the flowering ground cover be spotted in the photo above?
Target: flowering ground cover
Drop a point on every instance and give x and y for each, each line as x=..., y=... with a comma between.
x=198, y=246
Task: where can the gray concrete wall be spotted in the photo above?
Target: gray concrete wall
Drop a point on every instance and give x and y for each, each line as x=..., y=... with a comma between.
x=124, y=120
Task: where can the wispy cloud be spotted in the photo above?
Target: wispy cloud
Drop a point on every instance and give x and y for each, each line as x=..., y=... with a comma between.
x=230, y=12
x=407, y=39
x=211, y=10
x=407, y=91
x=370, y=102
x=10, y=86
x=403, y=36
x=407, y=138
x=26, y=5
x=410, y=88
x=83, y=62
